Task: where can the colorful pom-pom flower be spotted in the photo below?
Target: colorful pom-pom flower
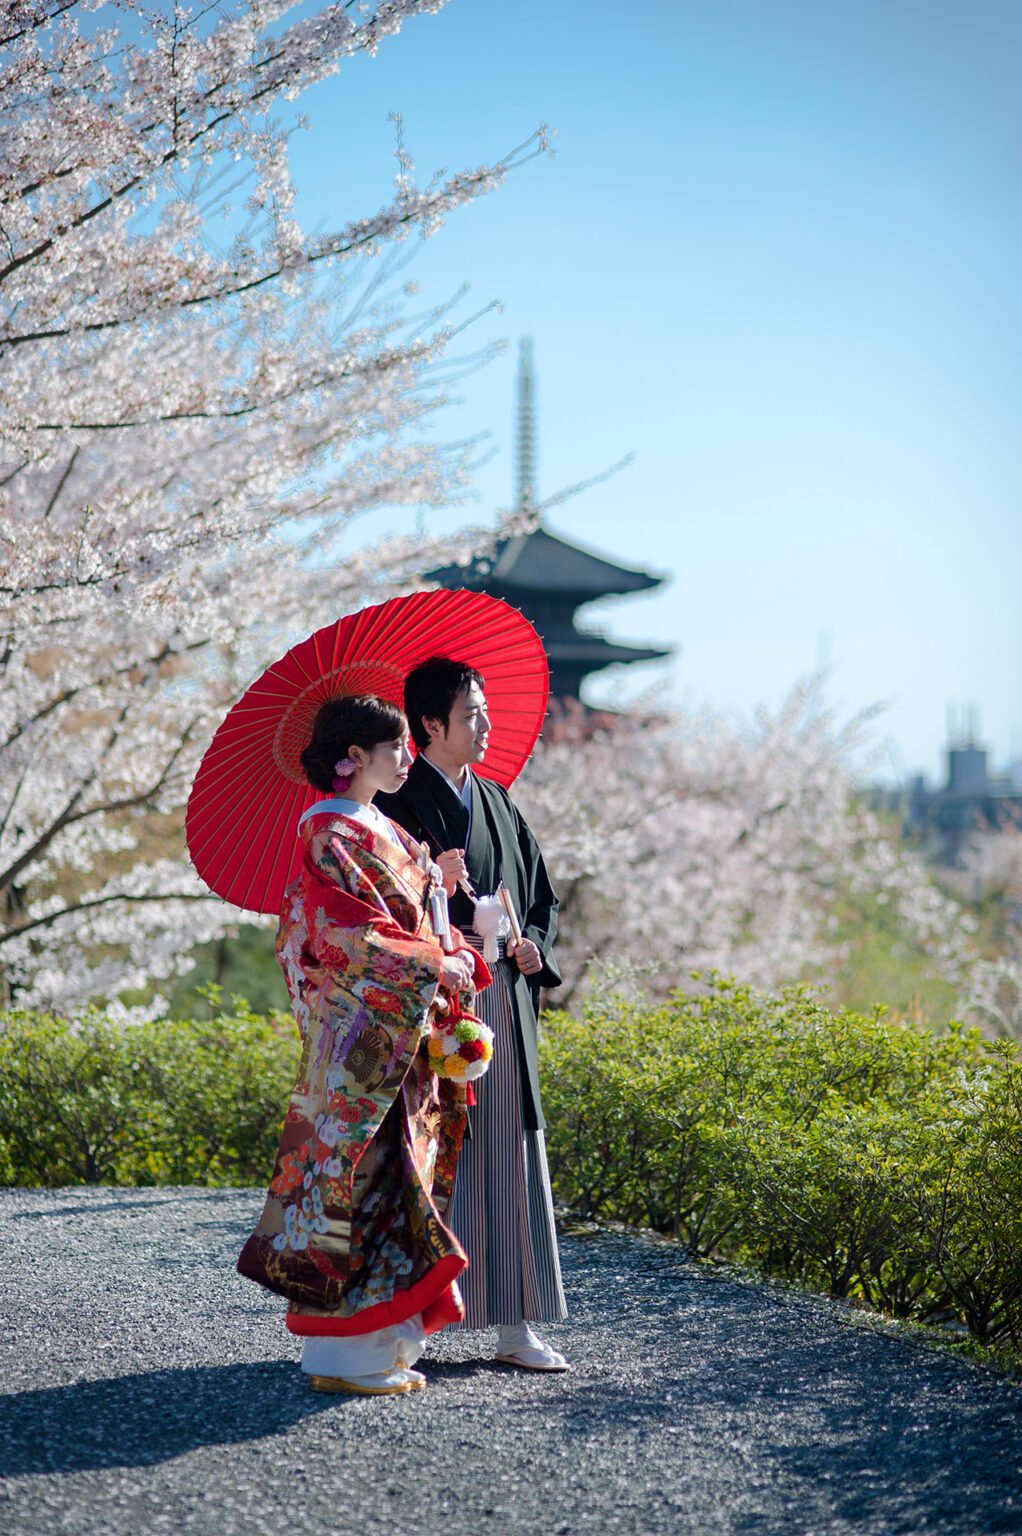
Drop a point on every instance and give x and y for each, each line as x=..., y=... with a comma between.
x=460, y=1048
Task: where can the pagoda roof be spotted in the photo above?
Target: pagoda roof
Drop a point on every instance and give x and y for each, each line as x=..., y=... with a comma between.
x=541, y=562
x=594, y=651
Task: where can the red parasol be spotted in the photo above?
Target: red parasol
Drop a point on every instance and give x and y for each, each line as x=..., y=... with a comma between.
x=250, y=789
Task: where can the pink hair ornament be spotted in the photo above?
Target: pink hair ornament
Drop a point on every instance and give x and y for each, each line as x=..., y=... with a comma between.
x=344, y=772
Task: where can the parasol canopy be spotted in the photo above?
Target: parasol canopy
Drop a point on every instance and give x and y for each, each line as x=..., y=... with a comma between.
x=250, y=789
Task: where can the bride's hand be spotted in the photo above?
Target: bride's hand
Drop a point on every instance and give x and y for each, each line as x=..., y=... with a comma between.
x=457, y=972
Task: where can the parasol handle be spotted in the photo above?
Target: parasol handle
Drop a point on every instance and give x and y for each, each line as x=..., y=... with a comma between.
x=504, y=896
x=427, y=839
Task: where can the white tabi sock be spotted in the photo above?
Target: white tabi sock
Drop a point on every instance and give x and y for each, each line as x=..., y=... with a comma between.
x=517, y=1336
x=358, y=1354
x=411, y=1341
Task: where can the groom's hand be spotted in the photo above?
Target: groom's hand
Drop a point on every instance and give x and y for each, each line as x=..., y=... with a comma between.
x=454, y=868
x=527, y=956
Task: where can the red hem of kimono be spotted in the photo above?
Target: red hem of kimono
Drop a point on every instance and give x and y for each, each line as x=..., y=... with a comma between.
x=434, y=1296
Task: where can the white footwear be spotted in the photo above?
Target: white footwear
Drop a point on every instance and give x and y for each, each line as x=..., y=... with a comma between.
x=365, y=1360
x=411, y=1341
x=527, y=1359
x=520, y=1347
x=379, y=1384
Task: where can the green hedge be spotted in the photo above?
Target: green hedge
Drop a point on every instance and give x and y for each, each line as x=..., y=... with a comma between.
x=869, y=1159
x=873, y=1160
x=194, y=1101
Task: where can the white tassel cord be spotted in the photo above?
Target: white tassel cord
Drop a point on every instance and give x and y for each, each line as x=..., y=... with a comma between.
x=490, y=922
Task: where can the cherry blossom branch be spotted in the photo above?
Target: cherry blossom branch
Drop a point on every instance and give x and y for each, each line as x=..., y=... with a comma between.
x=37, y=15
x=183, y=433
x=329, y=248
x=92, y=903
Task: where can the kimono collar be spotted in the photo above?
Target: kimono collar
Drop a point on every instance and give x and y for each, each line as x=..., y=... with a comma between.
x=371, y=830
x=464, y=794
x=353, y=809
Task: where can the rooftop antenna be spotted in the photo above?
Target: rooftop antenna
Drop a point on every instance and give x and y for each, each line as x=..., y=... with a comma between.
x=525, y=437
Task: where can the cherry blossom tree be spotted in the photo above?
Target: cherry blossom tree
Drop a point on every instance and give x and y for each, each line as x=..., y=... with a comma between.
x=196, y=399
x=991, y=877
x=694, y=843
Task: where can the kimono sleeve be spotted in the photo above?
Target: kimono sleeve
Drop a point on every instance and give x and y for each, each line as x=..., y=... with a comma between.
x=539, y=920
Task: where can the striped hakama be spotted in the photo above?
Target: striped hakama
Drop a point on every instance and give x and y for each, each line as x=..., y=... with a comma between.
x=502, y=1209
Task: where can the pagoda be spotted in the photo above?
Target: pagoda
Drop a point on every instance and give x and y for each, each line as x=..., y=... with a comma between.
x=550, y=579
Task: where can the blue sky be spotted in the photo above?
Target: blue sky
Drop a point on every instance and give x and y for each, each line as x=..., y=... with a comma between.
x=776, y=256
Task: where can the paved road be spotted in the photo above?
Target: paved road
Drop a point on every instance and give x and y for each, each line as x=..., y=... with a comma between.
x=152, y=1390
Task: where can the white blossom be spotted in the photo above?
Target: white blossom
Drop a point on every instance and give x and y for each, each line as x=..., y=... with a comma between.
x=693, y=843
x=991, y=875
x=194, y=406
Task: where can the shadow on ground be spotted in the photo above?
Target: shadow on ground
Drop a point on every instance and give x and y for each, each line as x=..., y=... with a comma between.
x=882, y=1453
x=89, y=1208
x=139, y=1420
x=155, y=1416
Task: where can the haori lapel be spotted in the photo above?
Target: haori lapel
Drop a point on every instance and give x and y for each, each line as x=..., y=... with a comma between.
x=441, y=816
x=479, y=853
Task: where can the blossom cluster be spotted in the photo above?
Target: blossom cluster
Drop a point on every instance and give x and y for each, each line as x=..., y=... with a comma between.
x=196, y=400
x=991, y=876
x=698, y=843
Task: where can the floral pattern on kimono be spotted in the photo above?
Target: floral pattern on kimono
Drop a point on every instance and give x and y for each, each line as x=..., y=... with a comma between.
x=352, y=1231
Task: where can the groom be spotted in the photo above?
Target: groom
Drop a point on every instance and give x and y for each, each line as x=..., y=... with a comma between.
x=502, y=1209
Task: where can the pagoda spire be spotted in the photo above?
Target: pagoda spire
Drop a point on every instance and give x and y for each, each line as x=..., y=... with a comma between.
x=525, y=437
x=547, y=578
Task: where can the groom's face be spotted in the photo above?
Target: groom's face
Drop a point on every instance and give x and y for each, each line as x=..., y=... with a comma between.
x=466, y=735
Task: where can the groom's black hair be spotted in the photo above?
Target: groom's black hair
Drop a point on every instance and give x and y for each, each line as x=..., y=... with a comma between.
x=431, y=688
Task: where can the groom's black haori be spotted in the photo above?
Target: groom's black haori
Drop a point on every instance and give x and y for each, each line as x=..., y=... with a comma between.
x=502, y=1206
x=500, y=847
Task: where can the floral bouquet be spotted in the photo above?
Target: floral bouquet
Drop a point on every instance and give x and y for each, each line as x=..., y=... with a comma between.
x=460, y=1046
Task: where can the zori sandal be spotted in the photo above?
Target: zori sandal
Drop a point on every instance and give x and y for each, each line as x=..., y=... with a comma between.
x=382, y=1384
x=526, y=1358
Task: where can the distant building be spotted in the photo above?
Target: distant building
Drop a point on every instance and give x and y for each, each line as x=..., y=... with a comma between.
x=971, y=799
x=550, y=579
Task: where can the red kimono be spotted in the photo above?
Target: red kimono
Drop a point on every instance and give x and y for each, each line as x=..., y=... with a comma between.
x=352, y=1232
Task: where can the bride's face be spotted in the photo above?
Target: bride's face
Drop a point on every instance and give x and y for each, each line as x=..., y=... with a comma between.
x=385, y=768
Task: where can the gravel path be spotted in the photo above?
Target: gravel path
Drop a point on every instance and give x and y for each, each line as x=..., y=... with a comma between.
x=152, y=1390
